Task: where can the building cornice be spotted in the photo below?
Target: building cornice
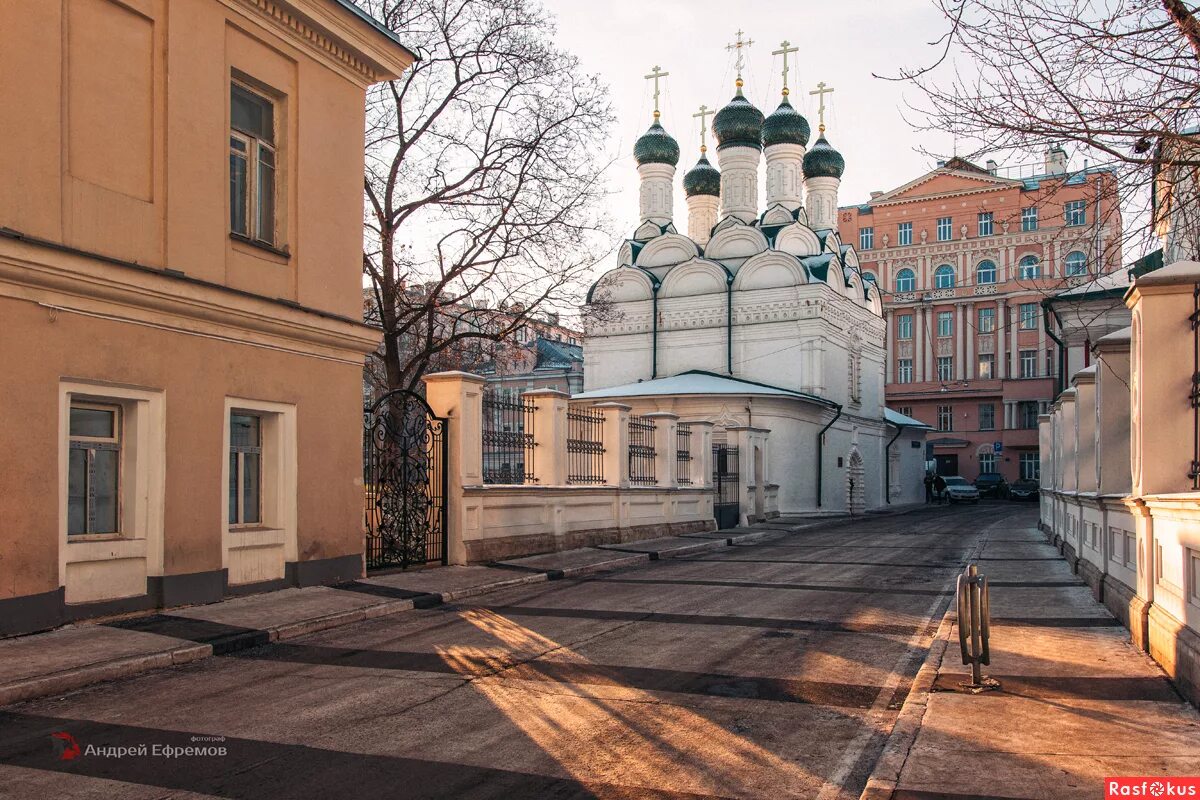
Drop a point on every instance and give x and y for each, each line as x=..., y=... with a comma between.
x=349, y=44
x=67, y=281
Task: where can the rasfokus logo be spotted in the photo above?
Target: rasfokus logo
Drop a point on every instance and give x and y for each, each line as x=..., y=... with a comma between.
x=65, y=746
x=1152, y=786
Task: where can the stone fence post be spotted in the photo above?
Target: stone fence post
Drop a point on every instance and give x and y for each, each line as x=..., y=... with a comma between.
x=665, y=464
x=616, y=443
x=702, y=459
x=549, y=436
x=458, y=396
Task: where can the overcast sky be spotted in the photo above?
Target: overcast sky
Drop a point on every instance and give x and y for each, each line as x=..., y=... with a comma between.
x=842, y=42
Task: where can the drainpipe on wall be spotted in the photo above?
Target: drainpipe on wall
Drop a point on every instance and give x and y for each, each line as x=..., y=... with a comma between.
x=654, y=336
x=887, y=465
x=729, y=322
x=1047, y=310
x=821, y=451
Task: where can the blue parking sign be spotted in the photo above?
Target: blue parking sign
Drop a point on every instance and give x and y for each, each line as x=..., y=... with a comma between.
x=997, y=447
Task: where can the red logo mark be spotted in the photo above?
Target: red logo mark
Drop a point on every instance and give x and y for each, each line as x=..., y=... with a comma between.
x=1151, y=786
x=65, y=746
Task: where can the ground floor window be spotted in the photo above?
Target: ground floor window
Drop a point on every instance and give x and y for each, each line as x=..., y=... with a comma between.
x=94, y=468
x=1030, y=467
x=245, y=469
x=945, y=418
x=987, y=461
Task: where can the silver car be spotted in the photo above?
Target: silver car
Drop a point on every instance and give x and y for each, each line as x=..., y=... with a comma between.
x=958, y=490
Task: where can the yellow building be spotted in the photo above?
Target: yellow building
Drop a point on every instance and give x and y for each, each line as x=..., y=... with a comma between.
x=180, y=300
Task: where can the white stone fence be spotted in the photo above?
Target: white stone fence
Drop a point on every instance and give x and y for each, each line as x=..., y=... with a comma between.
x=1119, y=495
x=576, y=488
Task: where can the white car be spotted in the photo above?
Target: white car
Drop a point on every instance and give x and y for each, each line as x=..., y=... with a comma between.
x=958, y=490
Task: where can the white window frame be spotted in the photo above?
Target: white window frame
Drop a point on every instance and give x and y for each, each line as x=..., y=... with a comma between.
x=990, y=325
x=906, y=276
x=904, y=231
x=904, y=326
x=1075, y=213
x=945, y=229
x=904, y=370
x=1028, y=361
x=945, y=419
x=987, y=459
x=1029, y=219
x=90, y=444
x=277, y=493
x=1029, y=316
x=992, y=408
x=253, y=154
x=980, y=270
x=939, y=272
x=945, y=324
x=1071, y=270
x=990, y=360
x=135, y=551
x=866, y=238
x=985, y=223
x=1033, y=472
x=945, y=368
x=1029, y=268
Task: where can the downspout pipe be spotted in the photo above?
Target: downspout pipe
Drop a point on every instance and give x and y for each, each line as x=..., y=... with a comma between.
x=1047, y=310
x=729, y=323
x=654, y=335
x=821, y=450
x=887, y=462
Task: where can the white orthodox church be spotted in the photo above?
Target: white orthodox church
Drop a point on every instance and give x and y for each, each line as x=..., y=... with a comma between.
x=758, y=320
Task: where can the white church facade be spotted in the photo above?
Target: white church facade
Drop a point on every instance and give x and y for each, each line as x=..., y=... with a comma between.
x=758, y=320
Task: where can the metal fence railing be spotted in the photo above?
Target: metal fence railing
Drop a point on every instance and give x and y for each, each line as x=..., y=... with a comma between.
x=641, y=450
x=683, y=454
x=585, y=446
x=507, y=437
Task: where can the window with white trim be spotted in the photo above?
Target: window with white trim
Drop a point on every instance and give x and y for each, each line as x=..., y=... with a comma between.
x=94, y=468
x=1029, y=219
x=866, y=238
x=245, y=469
x=945, y=229
x=1029, y=316
x=986, y=319
x=987, y=366
x=1030, y=269
x=985, y=223
x=945, y=368
x=987, y=416
x=1075, y=212
x=904, y=326
x=1076, y=263
x=943, y=277
x=252, y=167
x=945, y=418
x=985, y=272
x=904, y=370
x=906, y=281
x=904, y=233
x=1031, y=468
x=945, y=323
x=1029, y=363
x=987, y=460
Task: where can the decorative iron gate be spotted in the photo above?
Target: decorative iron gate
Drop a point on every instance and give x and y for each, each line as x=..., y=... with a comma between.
x=726, y=500
x=404, y=471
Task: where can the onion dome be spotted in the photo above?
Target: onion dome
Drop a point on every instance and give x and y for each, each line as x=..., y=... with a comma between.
x=656, y=146
x=822, y=161
x=738, y=124
x=786, y=125
x=703, y=178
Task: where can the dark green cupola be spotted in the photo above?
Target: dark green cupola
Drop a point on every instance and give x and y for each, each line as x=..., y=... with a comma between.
x=703, y=178
x=785, y=125
x=656, y=146
x=822, y=161
x=739, y=123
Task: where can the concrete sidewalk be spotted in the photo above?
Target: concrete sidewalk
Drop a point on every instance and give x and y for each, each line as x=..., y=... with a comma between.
x=77, y=655
x=1078, y=703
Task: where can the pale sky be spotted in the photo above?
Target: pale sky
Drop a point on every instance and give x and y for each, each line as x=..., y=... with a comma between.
x=841, y=43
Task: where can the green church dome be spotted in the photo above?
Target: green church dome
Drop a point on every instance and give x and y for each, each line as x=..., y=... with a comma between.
x=656, y=146
x=738, y=124
x=703, y=178
x=786, y=125
x=822, y=161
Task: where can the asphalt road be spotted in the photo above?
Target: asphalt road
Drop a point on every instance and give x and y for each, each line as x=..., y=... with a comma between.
x=770, y=670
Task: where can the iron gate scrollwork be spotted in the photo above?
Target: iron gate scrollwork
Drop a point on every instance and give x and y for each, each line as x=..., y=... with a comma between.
x=404, y=472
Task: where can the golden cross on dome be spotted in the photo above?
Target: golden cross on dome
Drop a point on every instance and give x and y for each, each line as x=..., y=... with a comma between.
x=702, y=114
x=785, y=48
x=654, y=75
x=739, y=47
x=821, y=91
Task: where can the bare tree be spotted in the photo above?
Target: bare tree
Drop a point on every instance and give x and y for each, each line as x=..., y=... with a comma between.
x=1117, y=81
x=483, y=182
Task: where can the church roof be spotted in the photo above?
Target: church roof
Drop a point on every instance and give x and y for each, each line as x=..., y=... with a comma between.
x=656, y=146
x=698, y=382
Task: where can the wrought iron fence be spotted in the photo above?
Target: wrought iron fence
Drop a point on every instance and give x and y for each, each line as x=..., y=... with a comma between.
x=1194, y=396
x=585, y=446
x=641, y=450
x=683, y=454
x=507, y=437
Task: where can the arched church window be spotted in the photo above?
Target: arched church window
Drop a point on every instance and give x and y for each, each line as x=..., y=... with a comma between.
x=985, y=272
x=906, y=281
x=1076, y=263
x=1030, y=268
x=869, y=276
x=943, y=277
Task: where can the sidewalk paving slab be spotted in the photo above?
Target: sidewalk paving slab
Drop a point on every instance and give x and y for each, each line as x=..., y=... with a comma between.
x=1077, y=703
x=568, y=563
x=666, y=546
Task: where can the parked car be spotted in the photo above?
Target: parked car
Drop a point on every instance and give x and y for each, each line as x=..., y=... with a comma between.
x=991, y=484
x=958, y=490
x=1024, y=489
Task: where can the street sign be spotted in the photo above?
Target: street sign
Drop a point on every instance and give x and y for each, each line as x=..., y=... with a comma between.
x=997, y=447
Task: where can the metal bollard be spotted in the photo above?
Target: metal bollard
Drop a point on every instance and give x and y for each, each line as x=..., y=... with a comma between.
x=974, y=628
